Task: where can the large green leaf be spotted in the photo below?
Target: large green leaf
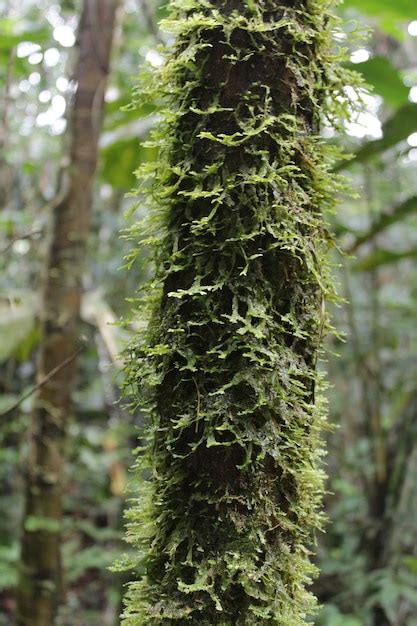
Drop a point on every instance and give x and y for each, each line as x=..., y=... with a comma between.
x=397, y=128
x=122, y=152
x=119, y=113
x=120, y=161
x=385, y=78
x=16, y=324
x=402, y=10
x=388, y=14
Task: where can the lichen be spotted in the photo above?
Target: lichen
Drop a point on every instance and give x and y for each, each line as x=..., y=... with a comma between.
x=228, y=488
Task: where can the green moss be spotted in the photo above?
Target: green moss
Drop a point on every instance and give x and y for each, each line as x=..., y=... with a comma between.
x=227, y=366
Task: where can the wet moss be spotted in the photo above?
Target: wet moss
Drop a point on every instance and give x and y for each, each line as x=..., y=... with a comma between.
x=227, y=365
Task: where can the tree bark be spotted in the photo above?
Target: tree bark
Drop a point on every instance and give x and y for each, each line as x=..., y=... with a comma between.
x=227, y=369
x=40, y=584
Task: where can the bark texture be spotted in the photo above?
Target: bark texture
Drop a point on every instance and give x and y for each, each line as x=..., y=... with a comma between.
x=227, y=368
x=40, y=585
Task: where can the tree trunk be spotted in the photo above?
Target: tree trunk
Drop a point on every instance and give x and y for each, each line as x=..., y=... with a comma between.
x=228, y=366
x=40, y=584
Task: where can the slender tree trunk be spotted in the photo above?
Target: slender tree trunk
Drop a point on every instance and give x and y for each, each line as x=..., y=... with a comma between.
x=228, y=366
x=6, y=173
x=40, y=584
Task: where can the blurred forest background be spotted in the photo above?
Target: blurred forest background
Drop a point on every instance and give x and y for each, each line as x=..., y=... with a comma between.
x=368, y=557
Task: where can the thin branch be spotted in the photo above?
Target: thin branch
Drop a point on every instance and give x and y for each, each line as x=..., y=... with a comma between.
x=48, y=207
x=43, y=382
x=29, y=235
x=384, y=221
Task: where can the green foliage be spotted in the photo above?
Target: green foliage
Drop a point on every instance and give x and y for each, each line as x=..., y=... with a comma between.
x=401, y=10
x=227, y=367
x=385, y=78
x=13, y=33
x=331, y=616
x=33, y=524
x=92, y=558
x=388, y=15
x=127, y=153
x=17, y=321
x=396, y=129
x=8, y=565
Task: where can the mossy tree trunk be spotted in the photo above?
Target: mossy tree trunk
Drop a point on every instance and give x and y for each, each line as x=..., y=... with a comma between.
x=227, y=368
x=40, y=584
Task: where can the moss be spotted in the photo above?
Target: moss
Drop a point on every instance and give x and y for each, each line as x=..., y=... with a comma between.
x=227, y=366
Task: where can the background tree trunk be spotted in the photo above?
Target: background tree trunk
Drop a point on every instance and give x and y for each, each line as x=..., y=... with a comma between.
x=40, y=584
x=229, y=364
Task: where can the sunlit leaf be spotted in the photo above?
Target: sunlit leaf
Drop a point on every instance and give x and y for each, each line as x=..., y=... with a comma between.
x=16, y=324
x=389, y=15
x=400, y=9
x=397, y=128
x=385, y=78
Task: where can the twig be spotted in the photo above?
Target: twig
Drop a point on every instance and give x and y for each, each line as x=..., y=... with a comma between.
x=43, y=382
x=29, y=235
x=49, y=206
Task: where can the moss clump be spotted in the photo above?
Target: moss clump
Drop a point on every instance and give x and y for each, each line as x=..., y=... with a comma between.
x=227, y=366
